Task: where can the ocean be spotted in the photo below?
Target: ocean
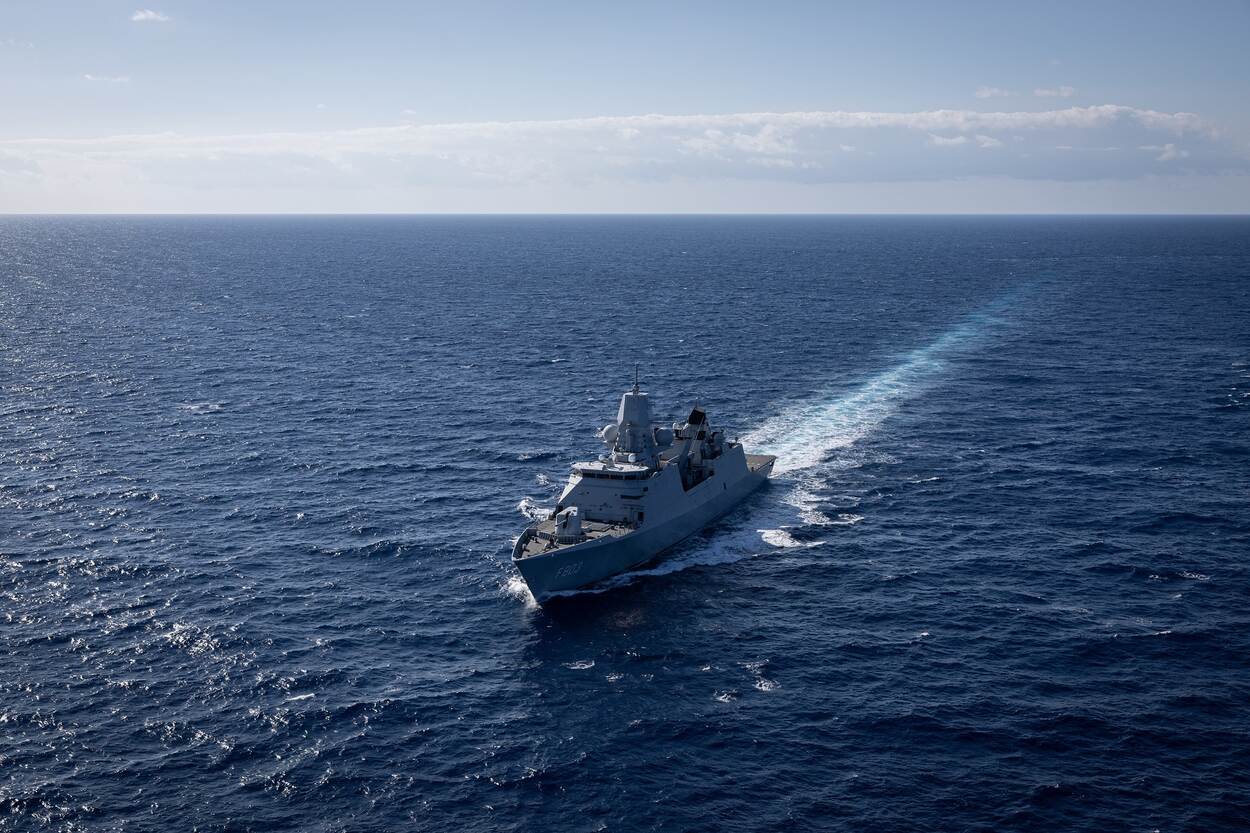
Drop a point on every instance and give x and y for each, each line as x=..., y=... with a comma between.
x=260, y=476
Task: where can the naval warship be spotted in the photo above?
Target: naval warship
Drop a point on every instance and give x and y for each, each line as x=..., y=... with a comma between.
x=653, y=488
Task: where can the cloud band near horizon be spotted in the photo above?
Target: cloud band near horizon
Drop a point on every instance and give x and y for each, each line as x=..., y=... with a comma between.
x=1069, y=144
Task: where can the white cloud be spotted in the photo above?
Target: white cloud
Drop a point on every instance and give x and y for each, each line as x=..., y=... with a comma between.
x=150, y=16
x=1055, y=92
x=992, y=92
x=16, y=44
x=771, y=162
x=609, y=154
x=107, y=79
x=1168, y=152
x=981, y=140
x=769, y=139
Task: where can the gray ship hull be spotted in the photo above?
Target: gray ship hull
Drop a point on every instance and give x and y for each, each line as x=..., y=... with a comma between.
x=577, y=567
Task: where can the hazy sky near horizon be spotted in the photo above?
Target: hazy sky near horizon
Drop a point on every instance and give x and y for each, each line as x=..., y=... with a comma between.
x=473, y=106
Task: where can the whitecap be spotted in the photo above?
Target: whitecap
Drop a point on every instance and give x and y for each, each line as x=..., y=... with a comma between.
x=761, y=682
x=804, y=498
x=201, y=408
x=532, y=509
x=779, y=538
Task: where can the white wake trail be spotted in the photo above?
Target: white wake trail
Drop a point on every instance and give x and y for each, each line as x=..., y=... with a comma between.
x=805, y=434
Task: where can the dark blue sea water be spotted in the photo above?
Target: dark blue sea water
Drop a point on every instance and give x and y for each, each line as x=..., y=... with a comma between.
x=259, y=479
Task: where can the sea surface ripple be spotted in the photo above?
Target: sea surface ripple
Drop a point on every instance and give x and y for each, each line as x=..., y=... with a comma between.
x=259, y=478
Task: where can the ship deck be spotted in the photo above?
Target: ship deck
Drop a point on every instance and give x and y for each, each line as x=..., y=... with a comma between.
x=755, y=462
x=542, y=537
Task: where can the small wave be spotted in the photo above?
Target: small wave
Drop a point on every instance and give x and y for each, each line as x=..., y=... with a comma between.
x=779, y=538
x=761, y=683
x=201, y=408
x=193, y=639
x=532, y=509
x=805, y=499
x=1179, y=520
x=380, y=547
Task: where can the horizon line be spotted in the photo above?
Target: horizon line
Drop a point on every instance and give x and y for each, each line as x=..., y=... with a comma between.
x=869, y=213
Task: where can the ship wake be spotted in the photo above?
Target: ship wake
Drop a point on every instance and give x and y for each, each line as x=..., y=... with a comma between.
x=807, y=434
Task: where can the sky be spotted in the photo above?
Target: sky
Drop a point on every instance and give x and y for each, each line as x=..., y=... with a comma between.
x=386, y=106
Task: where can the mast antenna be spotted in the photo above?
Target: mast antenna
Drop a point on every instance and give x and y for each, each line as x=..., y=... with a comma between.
x=635, y=377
